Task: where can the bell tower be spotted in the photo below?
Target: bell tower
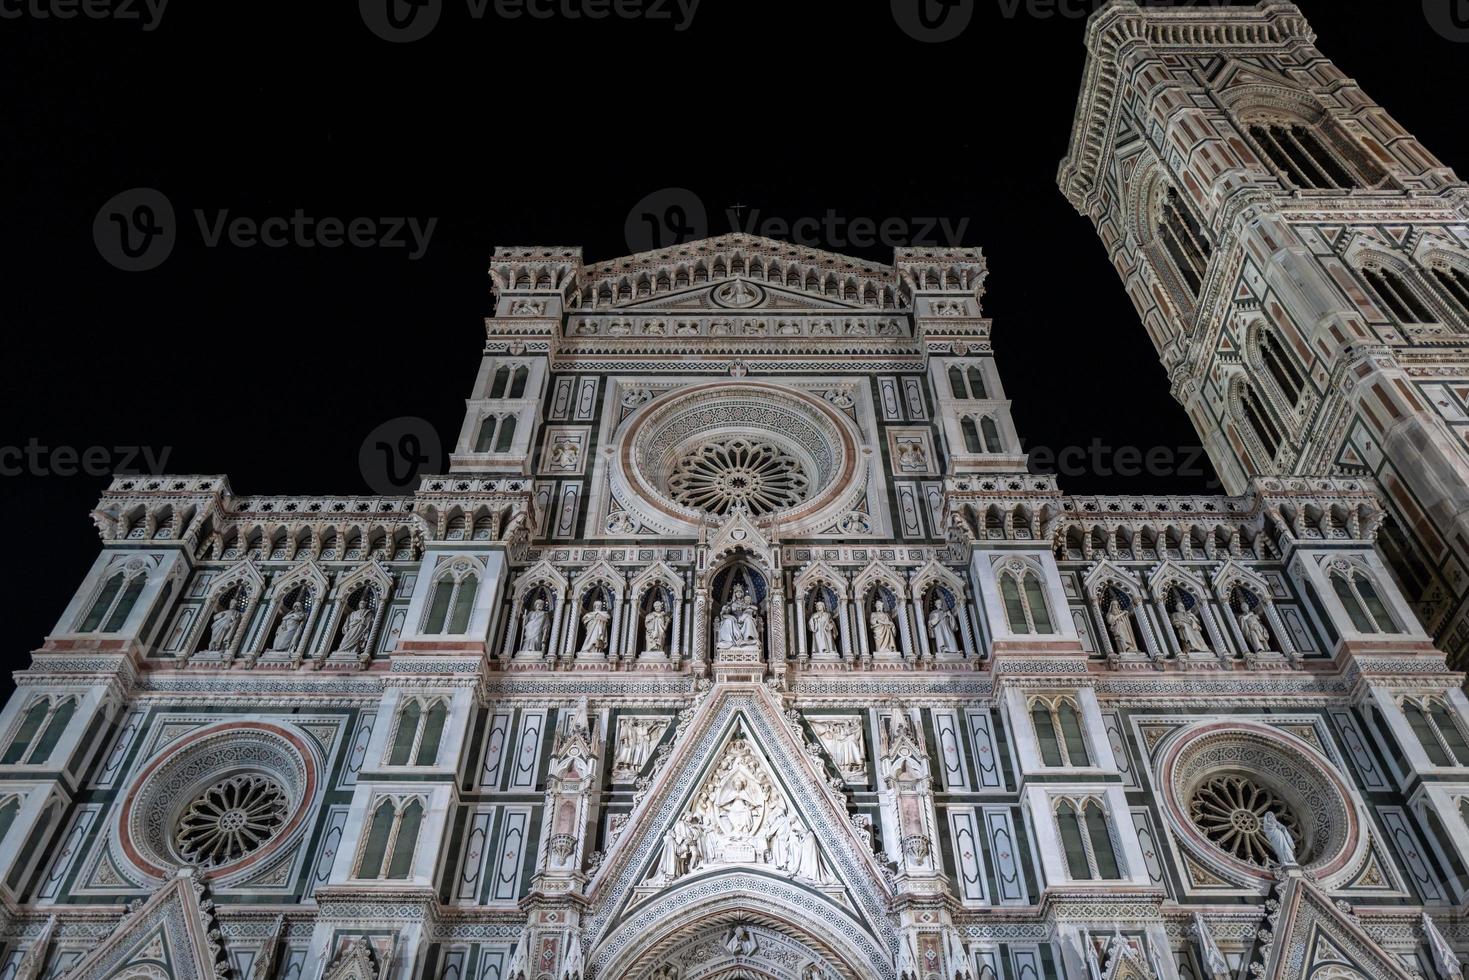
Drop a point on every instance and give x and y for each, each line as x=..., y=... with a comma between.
x=1300, y=262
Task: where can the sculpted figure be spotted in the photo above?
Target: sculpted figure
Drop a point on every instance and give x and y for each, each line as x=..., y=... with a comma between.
x=943, y=626
x=354, y=630
x=739, y=621
x=289, y=629
x=1190, y=630
x=1257, y=635
x=823, y=633
x=884, y=630
x=533, y=630
x=596, y=626
x=1119, y=623
x=1281, y=842
x=221, y=628
x=655, y=628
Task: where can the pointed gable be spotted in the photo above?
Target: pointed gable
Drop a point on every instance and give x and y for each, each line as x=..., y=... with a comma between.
x=1311, y=933
x=171, y=932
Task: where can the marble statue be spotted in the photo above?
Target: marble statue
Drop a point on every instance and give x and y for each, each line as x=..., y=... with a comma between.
x=354, y=630
x=943, y=626
x=1119, y=623
x=1280, y=840
x=884, y=630
x=1215, y=965
x=1257, y=635
x=655, y=628
x=221, y=628
x=842, y=738
x=1445, y=960
x=289, y=629
x=823, y=633
x=635, y=740
x=1190, y=629
x=739, y=622
x=596, y=623
x=533, y=630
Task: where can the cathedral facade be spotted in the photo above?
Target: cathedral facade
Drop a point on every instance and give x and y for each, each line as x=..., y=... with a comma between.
x=739, y=643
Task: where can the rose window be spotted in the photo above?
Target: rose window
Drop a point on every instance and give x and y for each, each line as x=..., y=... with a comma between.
x=231, y=819
x=717, y=477
x=1230, y=810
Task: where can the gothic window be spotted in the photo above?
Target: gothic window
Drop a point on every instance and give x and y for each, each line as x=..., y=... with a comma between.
x=109, y=611
x=1298, y=154
x=40, y=729
x=1394, y=288
x=502, y=378
x=1403, y=558
x=1087, y=840
x=392, y=837
x=1059, y=730
x=1365, y=608
x=976, y=384
x=1184, y=240
x=956, y=382
x=8, y=811
x=1438, y=731
x=967, y=384
x=485, y=443
x=418, y=733
x=518, y=381
x=971, y=436
x=1261, y=423
x=1455, y=282
x=1025, y=601
x=452, y=602
x=507, y=435
x=1230, y=810
x=1282, y=367
x=991, y=432
x=232, y=818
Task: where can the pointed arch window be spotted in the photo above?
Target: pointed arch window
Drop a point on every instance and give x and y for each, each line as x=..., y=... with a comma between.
x=1455, y=282
x=992, y=443
x=485, y=443
x=1394, y=288
x=418, y=734
x=452, y=604
x=502, y=378
x=1298, y=154
x=8, y=812
x=971, y=436
x=1261, y=423
x=1282, y=367
x=976, y=383
x=1086, y=837
x=392, y=839
x=1438, y=731
x=518, y=381
x=1183, y=238
x=1059, y=730
x=40, y=729
x=1364, y=606
x=119, y=594
x=507, y=434
x=956, y=382
x=1025, y=601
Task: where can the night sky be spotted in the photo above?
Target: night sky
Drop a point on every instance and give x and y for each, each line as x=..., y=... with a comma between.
x=271, y=364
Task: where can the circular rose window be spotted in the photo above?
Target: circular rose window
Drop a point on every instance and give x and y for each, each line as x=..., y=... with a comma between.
x=1230, y=810
x=220, y=799
x=720, y=476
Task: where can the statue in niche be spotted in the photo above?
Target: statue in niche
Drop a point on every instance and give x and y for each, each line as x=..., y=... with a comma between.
x=519, y=518
x=823, y=633
x=1257, y=634
x=222, y=627
x=943, y=626
x=533, y=631
x=1280, y=840
x=596, y=623
x=289, y=629
x=354, y=629
x=739, y=622
x=1119, y=624
x=655, y=627
x=884, y=630
x=842, y=738
x=635, y=738
x=1190, y=629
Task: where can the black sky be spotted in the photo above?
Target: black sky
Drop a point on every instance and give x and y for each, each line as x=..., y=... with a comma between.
x=271, y=365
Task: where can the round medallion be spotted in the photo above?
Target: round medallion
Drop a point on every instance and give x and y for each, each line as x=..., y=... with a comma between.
x=739, y=295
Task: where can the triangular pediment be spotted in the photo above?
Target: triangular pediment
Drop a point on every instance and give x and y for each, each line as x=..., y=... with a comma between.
x=740, y=809
x=1311, y=933
x=170, y=932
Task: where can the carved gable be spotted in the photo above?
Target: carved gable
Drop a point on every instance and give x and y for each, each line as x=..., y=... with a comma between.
x=170, y=934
